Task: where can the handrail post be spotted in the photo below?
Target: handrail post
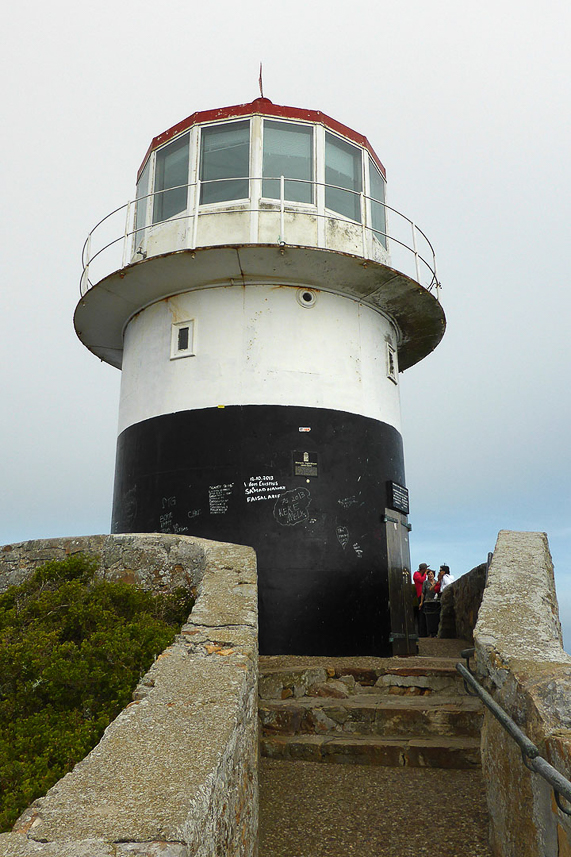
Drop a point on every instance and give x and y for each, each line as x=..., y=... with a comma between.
x=282, y=210
x=126, y=235
x=195, y=214
x=416, y=265
x=85, y=275
x=437, y=281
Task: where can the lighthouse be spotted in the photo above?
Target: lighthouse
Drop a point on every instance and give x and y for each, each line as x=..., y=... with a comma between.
x=261, y=299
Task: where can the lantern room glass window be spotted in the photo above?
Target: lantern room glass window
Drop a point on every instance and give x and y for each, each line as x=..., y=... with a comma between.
x=288, y=152
x=142, y=205
x=378, y=211
x=343, y=169
x=171, y=171
x=225, y=162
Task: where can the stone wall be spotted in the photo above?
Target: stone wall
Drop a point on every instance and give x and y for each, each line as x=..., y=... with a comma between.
x=460, y=603
x=152, y=561
x=176, y=773
x=521, y=660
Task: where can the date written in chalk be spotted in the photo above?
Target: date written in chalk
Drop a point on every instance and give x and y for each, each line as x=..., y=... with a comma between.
x=262, y=488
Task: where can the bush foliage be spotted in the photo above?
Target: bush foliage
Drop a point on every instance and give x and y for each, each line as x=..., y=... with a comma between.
x=72, y=649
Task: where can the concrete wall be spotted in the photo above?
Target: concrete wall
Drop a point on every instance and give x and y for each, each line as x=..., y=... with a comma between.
x=521, y=660
x=460, y=603
x=176, y=773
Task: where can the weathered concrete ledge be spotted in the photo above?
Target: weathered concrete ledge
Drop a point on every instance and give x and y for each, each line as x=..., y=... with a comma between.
x=176, y=773
x=520, y=655
x=152, y=561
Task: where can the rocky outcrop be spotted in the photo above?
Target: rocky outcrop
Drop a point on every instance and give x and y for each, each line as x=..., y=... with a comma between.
x=521, y=659
x=175, y=774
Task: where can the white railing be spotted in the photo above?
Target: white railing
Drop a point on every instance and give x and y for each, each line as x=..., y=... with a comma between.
x=118, y=237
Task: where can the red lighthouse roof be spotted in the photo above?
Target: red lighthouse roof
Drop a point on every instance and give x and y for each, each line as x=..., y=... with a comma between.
x=263, y=107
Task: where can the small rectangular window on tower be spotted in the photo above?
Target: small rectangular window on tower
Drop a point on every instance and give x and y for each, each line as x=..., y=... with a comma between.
x=182, y=339
x=392, y=371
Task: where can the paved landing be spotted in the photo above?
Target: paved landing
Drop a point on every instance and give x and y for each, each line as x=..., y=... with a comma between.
x=309, y=809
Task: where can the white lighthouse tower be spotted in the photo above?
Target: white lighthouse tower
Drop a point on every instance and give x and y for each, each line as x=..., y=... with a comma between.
x=260, y=309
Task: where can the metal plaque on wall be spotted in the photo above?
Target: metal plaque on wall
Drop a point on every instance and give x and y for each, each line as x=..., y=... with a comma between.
x=397, y=497
x=304, y=463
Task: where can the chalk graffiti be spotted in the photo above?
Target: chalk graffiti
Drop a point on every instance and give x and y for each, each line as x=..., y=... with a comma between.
x=168, y=525
x=292, y=507
x=130, y=507
x=358, y=549
x=342, y=536
x=166, y=522
x=219, y=497
x=262, y=488
x=168, y=502
x=347, y=502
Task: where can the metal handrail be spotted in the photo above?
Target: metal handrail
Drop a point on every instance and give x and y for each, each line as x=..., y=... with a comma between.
x=192, y=212
x=531, y=756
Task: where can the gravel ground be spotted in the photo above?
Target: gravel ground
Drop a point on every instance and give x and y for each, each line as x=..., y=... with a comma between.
x=436, y=647
x=308, y=809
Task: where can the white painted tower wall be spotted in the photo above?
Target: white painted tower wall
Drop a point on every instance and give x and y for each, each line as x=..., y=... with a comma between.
x=260, y=344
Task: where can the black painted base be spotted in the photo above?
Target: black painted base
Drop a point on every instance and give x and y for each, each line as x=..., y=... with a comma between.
x=305, y=487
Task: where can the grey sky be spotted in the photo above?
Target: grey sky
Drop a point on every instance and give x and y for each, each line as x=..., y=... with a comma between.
x=468, y=107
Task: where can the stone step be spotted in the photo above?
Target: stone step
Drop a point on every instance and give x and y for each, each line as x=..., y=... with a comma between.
x=363, y=714
x=443, y=752
x=342, y=680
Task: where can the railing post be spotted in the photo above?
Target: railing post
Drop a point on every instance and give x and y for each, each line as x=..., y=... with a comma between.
x=436, y=278
x=126, y=235
x=416, y=265
x=85, y=275
x=282, y=210
x=195, y=214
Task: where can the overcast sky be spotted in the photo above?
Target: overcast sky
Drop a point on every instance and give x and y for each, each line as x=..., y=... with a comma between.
x=468, y=107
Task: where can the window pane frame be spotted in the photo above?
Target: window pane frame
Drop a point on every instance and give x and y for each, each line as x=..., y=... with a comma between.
x=142, y=204
x=227, y=184
x=378, y=211
x=168, y=202
x=345, y=202
x=301, y=191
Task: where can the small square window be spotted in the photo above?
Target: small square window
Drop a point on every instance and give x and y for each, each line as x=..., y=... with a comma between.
x=392, y=371
x=182, y=339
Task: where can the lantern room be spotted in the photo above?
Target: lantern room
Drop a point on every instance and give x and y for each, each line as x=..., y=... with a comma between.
x=262, y=174
x=285, y=186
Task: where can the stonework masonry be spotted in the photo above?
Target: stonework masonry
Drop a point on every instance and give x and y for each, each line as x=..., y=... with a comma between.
x=175, y=774
x=460, y=603
x=521, y=660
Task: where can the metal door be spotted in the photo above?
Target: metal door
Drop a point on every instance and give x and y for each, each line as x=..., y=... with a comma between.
x=403, y=633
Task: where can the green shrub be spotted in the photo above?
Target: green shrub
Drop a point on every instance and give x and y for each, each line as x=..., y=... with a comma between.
x=72, y=649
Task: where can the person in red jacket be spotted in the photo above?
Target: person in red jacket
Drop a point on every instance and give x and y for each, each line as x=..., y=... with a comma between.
x=418, y=579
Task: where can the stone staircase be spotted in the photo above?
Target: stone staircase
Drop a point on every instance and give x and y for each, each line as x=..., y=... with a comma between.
x=370, y=711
